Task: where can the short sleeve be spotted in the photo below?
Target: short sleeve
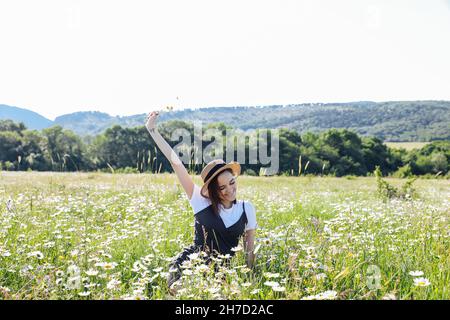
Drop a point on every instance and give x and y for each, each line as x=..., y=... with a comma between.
x=251, y=216
x=198, y=202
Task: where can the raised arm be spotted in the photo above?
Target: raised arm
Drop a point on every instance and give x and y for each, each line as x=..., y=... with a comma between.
x=177, y=165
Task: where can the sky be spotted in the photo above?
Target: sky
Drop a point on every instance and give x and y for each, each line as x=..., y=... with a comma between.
x=132, y=57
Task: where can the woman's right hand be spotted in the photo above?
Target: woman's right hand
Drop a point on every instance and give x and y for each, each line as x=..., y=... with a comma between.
x=150, y=122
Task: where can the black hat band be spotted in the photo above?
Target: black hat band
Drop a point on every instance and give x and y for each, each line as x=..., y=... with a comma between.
x=214, y=170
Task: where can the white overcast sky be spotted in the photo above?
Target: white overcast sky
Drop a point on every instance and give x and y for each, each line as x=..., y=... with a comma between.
x=129, y=57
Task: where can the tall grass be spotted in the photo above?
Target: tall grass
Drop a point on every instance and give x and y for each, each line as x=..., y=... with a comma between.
x=100, y=236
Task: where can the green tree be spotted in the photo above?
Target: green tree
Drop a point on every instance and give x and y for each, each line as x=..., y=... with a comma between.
x=65, y=149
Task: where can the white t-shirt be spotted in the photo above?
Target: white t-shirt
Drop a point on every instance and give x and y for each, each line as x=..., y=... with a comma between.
x=229, y=216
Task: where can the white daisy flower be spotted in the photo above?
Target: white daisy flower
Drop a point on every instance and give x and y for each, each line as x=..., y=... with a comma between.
x=84, y=294
x=278, y=289
x=421, y=282
x=416, y=273
x=271, y=283
x=92, y=272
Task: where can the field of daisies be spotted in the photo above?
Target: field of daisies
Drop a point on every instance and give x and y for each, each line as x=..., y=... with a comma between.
x=112, y=236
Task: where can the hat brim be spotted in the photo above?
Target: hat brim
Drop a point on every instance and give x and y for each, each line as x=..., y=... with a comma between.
x=234, y=166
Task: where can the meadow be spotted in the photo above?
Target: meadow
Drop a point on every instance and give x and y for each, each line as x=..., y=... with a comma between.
x=112, y=236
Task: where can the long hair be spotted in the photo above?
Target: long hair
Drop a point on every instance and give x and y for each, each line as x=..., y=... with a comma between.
x=213, y=192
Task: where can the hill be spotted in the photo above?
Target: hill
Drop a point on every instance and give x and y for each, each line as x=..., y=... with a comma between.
x=390, y=121
x=31, y=119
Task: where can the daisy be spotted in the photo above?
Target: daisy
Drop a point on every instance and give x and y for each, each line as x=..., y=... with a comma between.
x=328, y=295
x=74, y=282
x=421, y=282
x=278, y=289
x=237, y=248
x=271, y=283
x=113, y=284
x=416, y=273
x=187, y=272
x=36, y=254
x=271, y=275
x=84, y=294
x=92, y=272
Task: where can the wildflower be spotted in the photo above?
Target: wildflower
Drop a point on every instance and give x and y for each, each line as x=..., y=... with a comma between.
x=389, y=296
x=106, y=265
x=74, y=282
x=421, y=282
x=193, y=256
x=5, y=289
x=326, y=295
x=92, y=272
x=416, y=273
x=84, y=294
x=107, y=255
x=133, y=297
x=59, y=273
x=271, y=275
x=6, y=254
x=320, y=276
x=255, y=291
x=213, y=290
x=202, y=268
x=109, y=266
x=26, y=268
x=113, y=284
x=237, y=248
x=137, y=266
x=310, y=289
x=158, y=269
x=278, y=289
x=245, y=270
x=36, y=254
x=187, y=272
x=73, y=270
x=271, y=283
x=49, y=244
x=246, y=284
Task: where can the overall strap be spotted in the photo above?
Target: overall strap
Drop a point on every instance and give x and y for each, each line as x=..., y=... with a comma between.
x=245, y=213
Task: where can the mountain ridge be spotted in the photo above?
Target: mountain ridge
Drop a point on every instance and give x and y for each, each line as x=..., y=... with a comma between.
x=391, y=121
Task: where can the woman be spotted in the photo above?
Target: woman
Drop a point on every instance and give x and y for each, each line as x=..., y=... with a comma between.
x=220, y=220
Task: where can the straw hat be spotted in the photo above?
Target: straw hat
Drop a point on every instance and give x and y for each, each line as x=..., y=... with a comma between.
x=214, y=168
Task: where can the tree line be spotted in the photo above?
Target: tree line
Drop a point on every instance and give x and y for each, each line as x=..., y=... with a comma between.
x=336, y=152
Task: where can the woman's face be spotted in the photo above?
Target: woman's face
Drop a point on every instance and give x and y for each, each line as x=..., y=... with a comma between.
x=226, y=184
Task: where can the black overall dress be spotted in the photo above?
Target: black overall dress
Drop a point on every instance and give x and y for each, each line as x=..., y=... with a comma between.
x=212, y=237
